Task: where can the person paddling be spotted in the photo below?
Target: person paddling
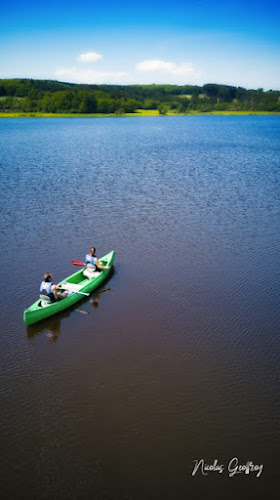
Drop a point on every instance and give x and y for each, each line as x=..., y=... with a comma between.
x=93, y=265
x=49, y=289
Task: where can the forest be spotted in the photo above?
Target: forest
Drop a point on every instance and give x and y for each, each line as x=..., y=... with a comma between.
x=46, y=96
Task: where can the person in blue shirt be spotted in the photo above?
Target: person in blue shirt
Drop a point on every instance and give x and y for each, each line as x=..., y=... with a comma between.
x=93, y=265
x=49, y=289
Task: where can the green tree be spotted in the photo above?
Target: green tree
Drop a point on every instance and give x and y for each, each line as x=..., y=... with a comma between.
x=162, y=108
x=88, y=104
x=131, y=105
x=27, y=104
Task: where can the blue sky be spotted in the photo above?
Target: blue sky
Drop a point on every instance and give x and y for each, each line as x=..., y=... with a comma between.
x=183, y=42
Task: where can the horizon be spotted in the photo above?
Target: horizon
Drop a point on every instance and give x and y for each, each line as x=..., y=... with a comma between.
x=64, y=82
x=143, y=44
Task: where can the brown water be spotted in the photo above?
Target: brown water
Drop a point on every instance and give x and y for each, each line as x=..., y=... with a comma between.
x=177, y=359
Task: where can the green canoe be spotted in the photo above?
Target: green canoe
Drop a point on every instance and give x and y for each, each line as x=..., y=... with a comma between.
x=77, y=284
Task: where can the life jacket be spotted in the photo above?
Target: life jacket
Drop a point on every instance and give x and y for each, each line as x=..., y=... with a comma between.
x=90, y=260
x=45, y=288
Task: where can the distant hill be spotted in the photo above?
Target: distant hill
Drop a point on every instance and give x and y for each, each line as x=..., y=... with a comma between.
x=47, y=96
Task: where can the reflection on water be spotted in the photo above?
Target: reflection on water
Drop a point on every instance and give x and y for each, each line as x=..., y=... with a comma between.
x=52, y=326
x=96, y=299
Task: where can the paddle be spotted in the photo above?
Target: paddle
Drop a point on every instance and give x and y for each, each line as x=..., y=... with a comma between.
x=78, y=263
x=81, y=293
x=73, y=291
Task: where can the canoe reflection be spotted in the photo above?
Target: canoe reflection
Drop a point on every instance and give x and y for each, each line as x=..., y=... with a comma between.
x=51, y=326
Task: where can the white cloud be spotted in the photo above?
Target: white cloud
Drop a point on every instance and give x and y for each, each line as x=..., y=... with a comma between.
x=88, y=57
x=76, y=75
x=145, y=72
x=166, y=67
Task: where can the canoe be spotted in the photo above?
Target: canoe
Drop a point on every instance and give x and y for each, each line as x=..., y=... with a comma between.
x=77, y=284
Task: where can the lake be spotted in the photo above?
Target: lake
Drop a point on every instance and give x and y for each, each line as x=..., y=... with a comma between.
x=176, y=358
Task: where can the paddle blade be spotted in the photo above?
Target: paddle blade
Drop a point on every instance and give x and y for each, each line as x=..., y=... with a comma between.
x=78, y=263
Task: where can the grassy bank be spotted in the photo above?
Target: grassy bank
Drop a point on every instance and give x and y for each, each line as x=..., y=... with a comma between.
x=139, y=112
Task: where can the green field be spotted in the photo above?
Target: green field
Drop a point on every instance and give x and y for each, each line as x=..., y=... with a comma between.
x=139, y=112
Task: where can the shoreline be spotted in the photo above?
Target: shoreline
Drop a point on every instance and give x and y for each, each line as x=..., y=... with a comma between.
x=139, y=113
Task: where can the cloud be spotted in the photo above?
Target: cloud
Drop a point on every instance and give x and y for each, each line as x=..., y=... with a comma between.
x=169, y=68
x=88, y=57
x=76, y=75
x=144, y=72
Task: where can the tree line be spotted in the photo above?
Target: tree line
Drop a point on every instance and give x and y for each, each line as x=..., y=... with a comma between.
x=46, y=96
